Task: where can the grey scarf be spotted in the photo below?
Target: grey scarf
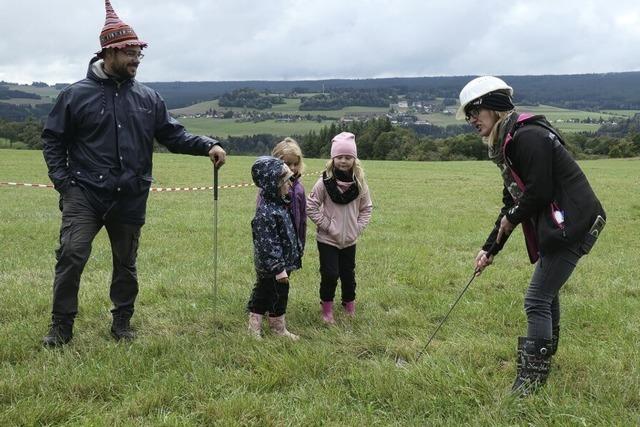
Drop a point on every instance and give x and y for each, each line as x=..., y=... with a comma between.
x=496, y=154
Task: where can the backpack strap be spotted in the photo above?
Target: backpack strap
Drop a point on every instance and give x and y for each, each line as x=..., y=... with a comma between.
x=535, y=119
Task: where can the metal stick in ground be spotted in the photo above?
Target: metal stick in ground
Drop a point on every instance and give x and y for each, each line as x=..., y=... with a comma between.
x=215, y=235
x=492, y=251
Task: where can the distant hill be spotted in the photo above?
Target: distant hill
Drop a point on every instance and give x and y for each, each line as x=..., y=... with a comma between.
x=577, y=91
x=592, y=92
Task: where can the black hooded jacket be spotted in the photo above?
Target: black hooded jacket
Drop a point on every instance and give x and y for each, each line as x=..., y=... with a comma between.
x=99, y=136
x=275, y=242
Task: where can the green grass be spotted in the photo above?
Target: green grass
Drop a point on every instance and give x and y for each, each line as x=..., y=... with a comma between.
x=291, y=106
x=226, y=127
x=27, y=101
x=48, y=95
x=557, y=116
x=199, y=108
x=623, y=113
x=194, y=364
x=50, y=92
x=4, y=143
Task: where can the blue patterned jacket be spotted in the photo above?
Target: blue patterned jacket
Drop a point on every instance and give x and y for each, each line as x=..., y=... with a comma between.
x=275, y=243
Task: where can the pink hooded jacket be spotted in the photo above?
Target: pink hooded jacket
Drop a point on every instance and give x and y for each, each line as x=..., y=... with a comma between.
x=338, y=225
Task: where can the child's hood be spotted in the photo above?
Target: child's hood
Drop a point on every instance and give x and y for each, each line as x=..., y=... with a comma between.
x=266, y=172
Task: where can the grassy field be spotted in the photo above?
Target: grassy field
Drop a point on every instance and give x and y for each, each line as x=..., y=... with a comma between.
x=291, y=106
x=194, y=364
x=229, y=127
x=557, y=116
x=48, y=94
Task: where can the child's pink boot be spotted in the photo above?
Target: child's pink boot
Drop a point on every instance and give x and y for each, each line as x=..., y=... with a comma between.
x=350, y=308
x=327, y=312
x=255, y=325
x=278, y=326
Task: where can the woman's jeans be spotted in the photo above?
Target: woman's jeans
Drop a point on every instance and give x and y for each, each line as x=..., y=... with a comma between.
x=542, y=300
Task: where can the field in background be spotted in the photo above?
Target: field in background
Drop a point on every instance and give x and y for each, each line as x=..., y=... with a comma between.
x=223, y=128
x=194, y=364
x=559, y=117
x=291, y=106
x=48, y=94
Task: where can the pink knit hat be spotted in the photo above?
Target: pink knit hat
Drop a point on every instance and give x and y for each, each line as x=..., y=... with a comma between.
x=344, y=144
x=117, y=34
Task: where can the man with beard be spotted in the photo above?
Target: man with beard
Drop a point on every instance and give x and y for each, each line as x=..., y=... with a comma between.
x=98, y=145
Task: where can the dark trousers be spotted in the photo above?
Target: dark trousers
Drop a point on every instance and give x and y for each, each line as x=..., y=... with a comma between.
x=80, y=223
x=542, y=300
x=337, y=264
x=269, y=296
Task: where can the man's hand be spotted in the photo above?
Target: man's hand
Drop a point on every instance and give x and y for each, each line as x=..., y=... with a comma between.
x=283, y=280
x=217, y=156
x=505, y=229
x=482, y=261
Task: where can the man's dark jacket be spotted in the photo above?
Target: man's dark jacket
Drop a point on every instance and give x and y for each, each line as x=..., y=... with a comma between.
x=99, y=136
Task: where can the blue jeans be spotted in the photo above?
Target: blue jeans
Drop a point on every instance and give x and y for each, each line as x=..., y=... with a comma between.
x=542, y=300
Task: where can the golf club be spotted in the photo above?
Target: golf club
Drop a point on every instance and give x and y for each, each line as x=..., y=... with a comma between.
x=492, y=251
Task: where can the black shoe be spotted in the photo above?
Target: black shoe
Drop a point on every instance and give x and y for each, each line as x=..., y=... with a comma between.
x=60, y=333
x=121, y=329
x=533, y=365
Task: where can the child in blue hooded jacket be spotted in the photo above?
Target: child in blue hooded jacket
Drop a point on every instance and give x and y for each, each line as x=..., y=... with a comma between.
x=276, y=247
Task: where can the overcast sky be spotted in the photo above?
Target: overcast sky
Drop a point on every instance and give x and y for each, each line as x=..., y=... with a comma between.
x=195, y=40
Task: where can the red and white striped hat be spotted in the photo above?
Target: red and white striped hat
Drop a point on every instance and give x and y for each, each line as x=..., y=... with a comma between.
x=117, y=34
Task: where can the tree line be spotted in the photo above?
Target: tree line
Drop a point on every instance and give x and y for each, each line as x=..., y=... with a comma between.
x=338, y=99
x=379, y=139
x=250, y=99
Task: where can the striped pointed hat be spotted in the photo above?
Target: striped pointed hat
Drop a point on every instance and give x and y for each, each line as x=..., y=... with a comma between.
x=117, y=34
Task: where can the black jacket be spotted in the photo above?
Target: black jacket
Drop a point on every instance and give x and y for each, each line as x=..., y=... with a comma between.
x=552, y=179
x=99, y=136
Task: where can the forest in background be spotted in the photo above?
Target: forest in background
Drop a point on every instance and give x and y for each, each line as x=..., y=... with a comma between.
x=378, y=137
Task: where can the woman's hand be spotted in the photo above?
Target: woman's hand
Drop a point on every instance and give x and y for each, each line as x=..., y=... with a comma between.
x=482, y=261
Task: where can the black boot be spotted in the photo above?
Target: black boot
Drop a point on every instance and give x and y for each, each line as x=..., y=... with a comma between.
x=555, y=338
x=121, y=329
x=533, y=365
x=60, y=332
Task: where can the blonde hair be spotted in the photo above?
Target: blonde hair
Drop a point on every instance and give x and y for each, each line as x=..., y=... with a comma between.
x=358, y=174
x=289, y=147
x=493, y=135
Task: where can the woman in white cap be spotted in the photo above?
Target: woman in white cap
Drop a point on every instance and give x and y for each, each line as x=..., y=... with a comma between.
x=548, y=194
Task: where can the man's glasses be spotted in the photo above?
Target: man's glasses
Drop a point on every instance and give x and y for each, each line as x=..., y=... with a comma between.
x=133, y=54
x=472, y=113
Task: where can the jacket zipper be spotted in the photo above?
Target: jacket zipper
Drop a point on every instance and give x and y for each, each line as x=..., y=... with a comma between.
x=344, y=227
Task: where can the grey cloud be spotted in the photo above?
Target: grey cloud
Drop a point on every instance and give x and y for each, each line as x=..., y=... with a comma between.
x=295, y=39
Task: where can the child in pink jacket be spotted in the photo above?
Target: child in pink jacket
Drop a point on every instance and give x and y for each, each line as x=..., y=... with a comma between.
x=340, y=206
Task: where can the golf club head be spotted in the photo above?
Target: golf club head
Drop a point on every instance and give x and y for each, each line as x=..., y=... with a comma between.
x=401, y=362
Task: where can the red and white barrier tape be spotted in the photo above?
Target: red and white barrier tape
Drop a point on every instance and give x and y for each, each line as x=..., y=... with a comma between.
x=152, y=189
x=22, y=184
